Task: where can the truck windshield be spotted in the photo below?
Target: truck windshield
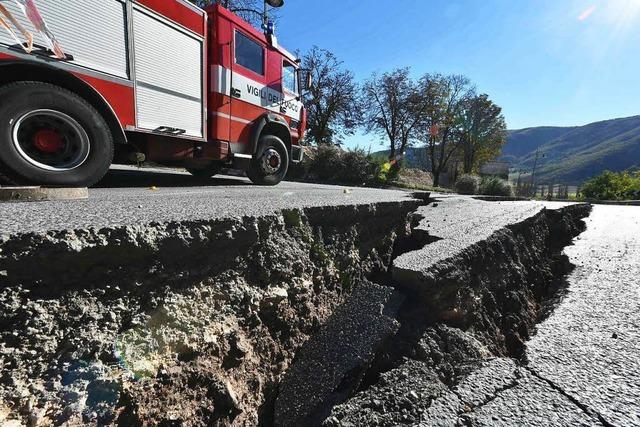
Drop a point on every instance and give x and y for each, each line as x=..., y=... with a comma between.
x=289, y=80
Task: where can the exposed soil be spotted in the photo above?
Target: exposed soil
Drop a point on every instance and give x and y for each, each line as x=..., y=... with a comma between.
x=182, y=324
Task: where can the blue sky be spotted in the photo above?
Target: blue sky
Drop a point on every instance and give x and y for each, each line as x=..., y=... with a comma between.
x=546, y=62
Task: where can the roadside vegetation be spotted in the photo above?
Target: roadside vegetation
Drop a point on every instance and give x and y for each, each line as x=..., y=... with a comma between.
x=612, y=186
x=332, y=165
x=488, y=186
x=458, y=129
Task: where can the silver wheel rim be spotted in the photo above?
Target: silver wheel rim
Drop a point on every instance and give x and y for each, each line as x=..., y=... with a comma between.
x=75, y=146
x=271, y=161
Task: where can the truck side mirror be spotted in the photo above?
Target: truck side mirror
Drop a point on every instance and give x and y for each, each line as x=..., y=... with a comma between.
x=306, y=81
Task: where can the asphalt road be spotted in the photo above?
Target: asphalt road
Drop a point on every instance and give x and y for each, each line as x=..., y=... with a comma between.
x=458, y=222
x=590, y=347
x=129, y=196
x=583, y=365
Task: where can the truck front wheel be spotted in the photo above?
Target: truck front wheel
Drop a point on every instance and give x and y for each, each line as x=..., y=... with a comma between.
x=50, y=136
x=270, y=164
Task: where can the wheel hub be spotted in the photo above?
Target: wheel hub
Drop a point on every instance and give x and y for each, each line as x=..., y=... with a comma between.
x=271, y=161
x=48, y=141
x=51, y=140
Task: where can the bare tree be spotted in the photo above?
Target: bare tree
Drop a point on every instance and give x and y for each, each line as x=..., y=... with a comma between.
x=393, y=107
x=231, y=4
x=440, y=121
x=243, y=8
x=332, y=101
x=483, y=131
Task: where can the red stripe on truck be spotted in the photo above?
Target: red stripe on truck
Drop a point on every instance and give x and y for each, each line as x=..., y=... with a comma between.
x=179, y=13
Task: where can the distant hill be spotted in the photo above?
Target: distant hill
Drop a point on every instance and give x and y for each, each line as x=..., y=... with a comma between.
x=575, y=154
x=522, y=142
x=571, y=154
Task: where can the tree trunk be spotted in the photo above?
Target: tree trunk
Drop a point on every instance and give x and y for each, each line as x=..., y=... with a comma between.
x=436, y=177
x=468, y=156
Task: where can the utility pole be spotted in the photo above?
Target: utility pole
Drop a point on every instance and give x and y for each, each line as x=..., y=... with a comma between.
x=535, y=166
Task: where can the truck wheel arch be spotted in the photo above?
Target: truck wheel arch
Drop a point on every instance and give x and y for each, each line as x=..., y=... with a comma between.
x=15, y=71
x=271, y=124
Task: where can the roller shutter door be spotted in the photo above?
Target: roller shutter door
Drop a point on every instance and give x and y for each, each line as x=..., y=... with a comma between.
x=168, y=74
x=93, y=31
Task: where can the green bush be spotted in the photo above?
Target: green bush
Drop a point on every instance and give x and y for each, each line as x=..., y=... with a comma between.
x=326, y=162
x=613, y=186
x=468, y=184
x=356, y=167
x=330, y=164
x=494, y=186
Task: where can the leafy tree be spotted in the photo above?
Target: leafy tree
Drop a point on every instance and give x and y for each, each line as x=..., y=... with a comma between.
x=440, y=122
x=392, y=108
x=332, y=101
x=483, y=131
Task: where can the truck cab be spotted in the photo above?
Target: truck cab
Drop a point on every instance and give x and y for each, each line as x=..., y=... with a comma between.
x=159, y=80
x=255, y=90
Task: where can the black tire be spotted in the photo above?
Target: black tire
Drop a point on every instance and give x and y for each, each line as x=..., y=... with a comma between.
x=206, y=173
x=82, y=143
x=262, y=173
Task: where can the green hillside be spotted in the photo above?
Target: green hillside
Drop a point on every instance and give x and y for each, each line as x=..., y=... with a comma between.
x=575, y=154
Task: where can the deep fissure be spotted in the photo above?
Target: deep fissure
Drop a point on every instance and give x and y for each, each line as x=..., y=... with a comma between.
x=418, y=315
x=213, y=338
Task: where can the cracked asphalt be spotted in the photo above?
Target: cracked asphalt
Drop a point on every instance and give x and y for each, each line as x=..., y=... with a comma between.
x=128, y=196
x=457, y=222
x=583, y=365
x=590, y=346
x=581, y=368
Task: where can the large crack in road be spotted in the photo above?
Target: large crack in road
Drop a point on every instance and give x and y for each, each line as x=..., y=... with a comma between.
x=374, y=314
x=480, y=302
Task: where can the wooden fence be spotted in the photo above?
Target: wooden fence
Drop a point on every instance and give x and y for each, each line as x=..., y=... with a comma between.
x=546, y=191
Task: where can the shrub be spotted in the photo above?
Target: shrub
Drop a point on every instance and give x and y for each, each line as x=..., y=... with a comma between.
x=468, y=184
x=330, y=164
x=414, y=178
x=494, y=186
x=381, y=168
x=356, y=167
x=613, y=186
x=325, y=163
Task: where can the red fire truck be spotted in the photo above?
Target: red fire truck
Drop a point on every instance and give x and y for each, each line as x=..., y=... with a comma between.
x=161, y=80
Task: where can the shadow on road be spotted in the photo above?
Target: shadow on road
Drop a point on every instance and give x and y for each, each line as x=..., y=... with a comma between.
x=119, y=178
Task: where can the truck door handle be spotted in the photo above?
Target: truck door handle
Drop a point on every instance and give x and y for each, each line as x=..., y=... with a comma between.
x=236, y=92
x=170, y=130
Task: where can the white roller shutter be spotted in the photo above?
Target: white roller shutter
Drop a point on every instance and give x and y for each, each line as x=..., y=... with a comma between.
x=93, y=31
x=168, y=73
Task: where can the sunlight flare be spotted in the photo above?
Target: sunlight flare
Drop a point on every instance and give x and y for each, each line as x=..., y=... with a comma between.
x=587, y=13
